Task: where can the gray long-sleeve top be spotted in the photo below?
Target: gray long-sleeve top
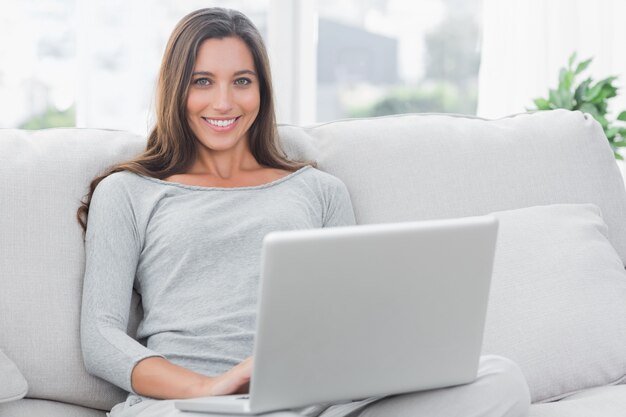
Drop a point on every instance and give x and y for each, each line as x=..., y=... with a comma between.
x=193, y=254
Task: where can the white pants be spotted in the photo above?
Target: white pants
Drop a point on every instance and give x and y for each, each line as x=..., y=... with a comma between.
x=500, y=390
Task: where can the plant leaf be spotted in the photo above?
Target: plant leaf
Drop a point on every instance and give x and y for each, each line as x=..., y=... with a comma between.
x=601, y=98
x=622, y=116
x=571, y=59
x=552, y=98
x=566, y=78
x=612, y=132
x=582, y=66
x=581, y=90
x=610, y=89
x=593, y=92
x=589, y=108
x=607, y=85
x=608, y=80
x=602, y=120
x=565, y=97
x=542, y=104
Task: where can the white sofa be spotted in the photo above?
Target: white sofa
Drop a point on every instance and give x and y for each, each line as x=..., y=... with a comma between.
x=558, y=299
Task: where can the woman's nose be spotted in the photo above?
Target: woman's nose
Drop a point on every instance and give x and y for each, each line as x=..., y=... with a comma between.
x=223, y=99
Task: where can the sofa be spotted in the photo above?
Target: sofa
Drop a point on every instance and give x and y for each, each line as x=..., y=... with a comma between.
x=557, y=305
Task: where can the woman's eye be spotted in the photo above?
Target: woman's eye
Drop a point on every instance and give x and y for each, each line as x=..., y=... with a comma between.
x=242, y=81
x=202, y=82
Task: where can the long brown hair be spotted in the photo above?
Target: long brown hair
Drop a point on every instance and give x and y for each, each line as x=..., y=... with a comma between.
x=171, y=145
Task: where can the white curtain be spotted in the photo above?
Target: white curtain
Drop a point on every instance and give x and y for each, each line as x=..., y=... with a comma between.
x=526, y=42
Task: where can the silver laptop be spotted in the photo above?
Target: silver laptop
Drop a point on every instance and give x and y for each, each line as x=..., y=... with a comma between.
x=352, y=312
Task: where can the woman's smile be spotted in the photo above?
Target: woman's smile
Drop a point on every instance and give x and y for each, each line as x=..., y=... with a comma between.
x=221, y=124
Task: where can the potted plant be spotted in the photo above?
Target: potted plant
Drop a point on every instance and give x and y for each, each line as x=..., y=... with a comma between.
x=588, y=97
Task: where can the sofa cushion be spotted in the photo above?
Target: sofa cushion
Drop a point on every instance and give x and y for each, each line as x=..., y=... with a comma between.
x=609, y=401
x=13, y=386
x=43, y=408
x=44, y=175
x=429, y=166
x=557, y=303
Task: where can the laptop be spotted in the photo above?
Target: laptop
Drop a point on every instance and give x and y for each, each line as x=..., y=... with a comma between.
x=348, y=313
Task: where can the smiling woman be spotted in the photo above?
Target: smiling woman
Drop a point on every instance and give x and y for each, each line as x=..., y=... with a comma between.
x=215, y=130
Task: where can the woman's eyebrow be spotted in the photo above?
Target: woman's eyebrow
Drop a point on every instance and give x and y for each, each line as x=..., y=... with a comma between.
x=210, y=74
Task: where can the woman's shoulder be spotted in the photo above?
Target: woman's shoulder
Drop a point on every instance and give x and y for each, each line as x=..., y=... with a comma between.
x=122, y=180
x=323, y=176
x=120, y=184
x=328, y=182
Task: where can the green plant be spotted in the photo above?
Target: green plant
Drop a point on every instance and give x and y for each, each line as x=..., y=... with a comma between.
x=51, y=117
x=589, y=98
x=442, y=97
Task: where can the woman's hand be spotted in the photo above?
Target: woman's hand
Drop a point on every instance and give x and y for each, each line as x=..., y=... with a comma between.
x=235, y=381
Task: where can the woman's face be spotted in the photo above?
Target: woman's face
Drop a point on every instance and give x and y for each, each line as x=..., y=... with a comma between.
x=224, y=96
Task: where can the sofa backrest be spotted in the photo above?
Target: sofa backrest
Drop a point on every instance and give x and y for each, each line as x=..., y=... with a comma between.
x=397, y=168
x=44, y=174
x=430, y=166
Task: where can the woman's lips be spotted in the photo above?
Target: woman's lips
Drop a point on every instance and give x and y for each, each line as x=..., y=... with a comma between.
x=221, y=125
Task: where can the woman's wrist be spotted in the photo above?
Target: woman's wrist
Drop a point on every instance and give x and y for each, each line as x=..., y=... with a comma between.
x=203, y=387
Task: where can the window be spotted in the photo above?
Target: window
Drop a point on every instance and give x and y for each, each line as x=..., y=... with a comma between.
x=94, y=63
x=89, y=63
x=385, y=57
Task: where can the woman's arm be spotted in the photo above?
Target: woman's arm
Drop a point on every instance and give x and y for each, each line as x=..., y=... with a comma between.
x=339, y=211
x=112, y=249
x=158, y=378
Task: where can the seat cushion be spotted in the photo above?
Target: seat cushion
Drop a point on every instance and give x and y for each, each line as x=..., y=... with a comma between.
x=602, y=401
x=43, y=408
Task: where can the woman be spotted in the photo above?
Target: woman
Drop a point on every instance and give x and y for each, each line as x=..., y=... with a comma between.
x=182, y=224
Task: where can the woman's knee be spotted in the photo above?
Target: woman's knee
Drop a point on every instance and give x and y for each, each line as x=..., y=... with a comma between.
x=500, y=390
x=504, y=379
